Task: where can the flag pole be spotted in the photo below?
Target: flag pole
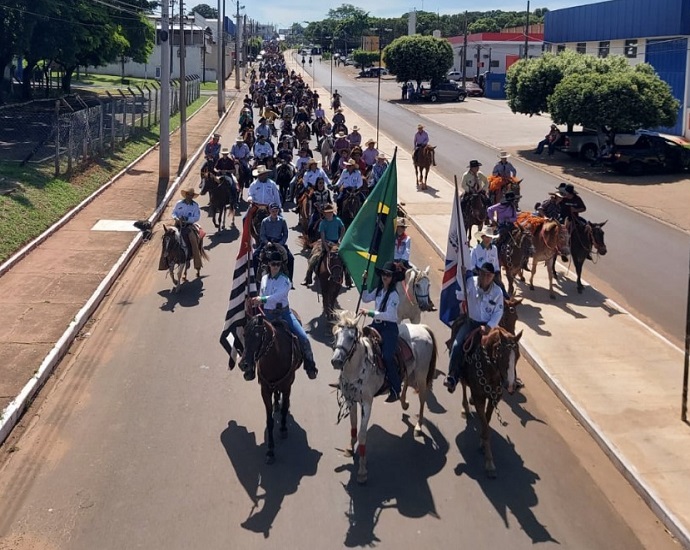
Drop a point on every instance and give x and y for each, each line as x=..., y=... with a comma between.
x=373, y=236
x=459, y=218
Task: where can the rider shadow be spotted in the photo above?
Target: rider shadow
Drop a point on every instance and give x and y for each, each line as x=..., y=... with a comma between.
x=295, y=460
x=516, y=402
x=189, y=294
x=230, y=234
x=393, y=483
x=430, y=191
x=530, y=315
x=433, y=405
x=515, y=490
x=320, y=329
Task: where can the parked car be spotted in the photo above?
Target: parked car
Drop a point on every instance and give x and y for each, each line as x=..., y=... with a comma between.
x=454, y=75
x=473, y=89
x=651, y=151
x=348, y=61
x=445, y=91
x=373, y=72
x=585, y=143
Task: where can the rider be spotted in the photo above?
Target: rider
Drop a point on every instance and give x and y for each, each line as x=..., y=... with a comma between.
x=224, y=163
x=212, y=149
x=421, y=138
x=350, y=179
x=551, y=207
x=336, y=101
x=273, y=298
x=354, y=137
x=484, y=311
x=571, y=204
x=246, y=119
x=263, y=129
x=504, y=168
x=378, y=169
x=386, y=324
x=403, y=243
x=319, y=112
x=370, y=153
x=473, y=181
x=274, y=229
x=338, y=118
x=186, y=213
x=484, y=252
x=320, y=199
x=332, y=230
x=263, y=190
x=263, y=148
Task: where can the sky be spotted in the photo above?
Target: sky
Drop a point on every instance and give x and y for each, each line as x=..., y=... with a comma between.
x=284, y=13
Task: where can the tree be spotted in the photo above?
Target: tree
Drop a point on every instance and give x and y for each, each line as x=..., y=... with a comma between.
x=484, y=24
x=419, y=58
x=365, y=58
x=205, y=11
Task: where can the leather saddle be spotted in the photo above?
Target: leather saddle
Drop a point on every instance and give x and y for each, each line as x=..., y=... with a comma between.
x=403, y=355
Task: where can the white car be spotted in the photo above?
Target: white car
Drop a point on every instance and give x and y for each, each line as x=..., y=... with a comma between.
x=454, y=75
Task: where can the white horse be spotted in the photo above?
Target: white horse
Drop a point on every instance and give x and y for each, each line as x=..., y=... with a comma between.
x=361, y=378
x=326, y=150
x=414, y=292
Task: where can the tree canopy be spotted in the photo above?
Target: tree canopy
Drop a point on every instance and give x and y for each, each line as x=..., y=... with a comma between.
x=418, y=58
x=365, y=58
x=205, y=11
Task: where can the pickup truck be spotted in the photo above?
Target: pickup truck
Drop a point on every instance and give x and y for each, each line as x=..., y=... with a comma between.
x=584, y=144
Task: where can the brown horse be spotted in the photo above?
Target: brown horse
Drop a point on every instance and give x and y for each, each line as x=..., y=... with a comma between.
x=257, y=212
x=330, y=275
x=500, y=185
x=302, y=132
x=488, y=366
x=276, y=354
x=473, y=211
x=351, y=205
x=549, y=239
x=513, y=254
x=425, y=157
x=510, y=316
x=304, y=205
x=583, y=239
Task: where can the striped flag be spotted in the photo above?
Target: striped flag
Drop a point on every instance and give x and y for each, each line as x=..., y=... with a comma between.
x=232, y=337
x=457, y=254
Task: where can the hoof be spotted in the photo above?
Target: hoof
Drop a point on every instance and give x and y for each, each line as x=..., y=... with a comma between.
x=491, y=474
x=531, y=287
x=417, y=431
x=270, y=458
x=405, y=405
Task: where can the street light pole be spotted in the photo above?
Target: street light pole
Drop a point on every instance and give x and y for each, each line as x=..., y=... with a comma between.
x=378, y=94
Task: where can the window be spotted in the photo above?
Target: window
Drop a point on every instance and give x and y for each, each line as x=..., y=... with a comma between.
x=604, y=48
x=581, y=47
x=468, y=63
x=560, y=48
x=494, y=63
x=630, y=48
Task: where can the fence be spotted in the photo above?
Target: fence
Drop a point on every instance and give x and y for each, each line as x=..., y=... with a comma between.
x=79, y=128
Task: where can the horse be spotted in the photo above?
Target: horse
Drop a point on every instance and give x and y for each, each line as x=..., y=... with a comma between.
x=258, y=213
x=473, y=210
x=276, y=354
x=302, y=132
x=304, y=207
x=583, y=238
x=223, y=193
x=243, y=174
x=248, y=136
x=513, y=254
x=488, y=365
x=284, y=174
x=326, y=149
x=413, y=303
x=425, y=157
x=361, y=379
x=330, y=275
x=550, y=239
x=510, y=316
x=351, y=205
x=177, y=254
x=500, y=185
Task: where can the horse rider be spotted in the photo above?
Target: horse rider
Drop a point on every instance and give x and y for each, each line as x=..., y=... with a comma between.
x=274, y=229
x=263, y=148
x=320, y=199
x=332, y=230
x=336, y=100
x=310, y=177
x=212, y=149
x=571, y=205
x=273, y=298
x=385, y=322
x=474, y=182
x=319, y=113
x=246, y=119
x=338, y=117
x=263, y=129
x=354, y=137
x=549, y=140
x=263, y=191
x=403, y=244
x=224, y=163
x=551, y=207
x=420, y=140
x=504, y=169
x=186, y=214
x=378, y=169
x=350, y=180
x=486, y=251
x=370, y=153
x=301, y=116
x=484, y=312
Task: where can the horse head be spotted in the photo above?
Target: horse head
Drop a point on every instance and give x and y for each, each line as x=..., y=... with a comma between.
x=257, y=337
x=346, y=334
x=597, y=236
x=504, y=351
x=422, y=286
x=335, y=265
x=510, y=315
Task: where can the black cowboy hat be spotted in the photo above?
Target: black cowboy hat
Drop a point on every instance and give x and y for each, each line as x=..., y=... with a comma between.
x=275, y=257
x=475, y=164
x=510, y=196
x=487, y=267
x=570, y=189
x=388, y=267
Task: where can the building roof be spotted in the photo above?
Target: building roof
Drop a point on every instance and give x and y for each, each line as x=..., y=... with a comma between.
x=497, y=37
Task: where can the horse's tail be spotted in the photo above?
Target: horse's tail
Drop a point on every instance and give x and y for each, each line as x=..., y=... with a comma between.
x=431, y=373
x=202, y=253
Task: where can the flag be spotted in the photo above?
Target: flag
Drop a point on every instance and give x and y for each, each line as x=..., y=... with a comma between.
x=232, y=337
x=457, y=250
x=370, y=240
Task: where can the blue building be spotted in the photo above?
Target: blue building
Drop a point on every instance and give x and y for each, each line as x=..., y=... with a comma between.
x=652, y=31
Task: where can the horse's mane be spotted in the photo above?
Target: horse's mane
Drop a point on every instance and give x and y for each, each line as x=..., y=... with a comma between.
x=346, y=319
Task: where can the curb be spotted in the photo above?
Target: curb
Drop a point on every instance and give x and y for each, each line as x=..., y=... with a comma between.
x=15, y=409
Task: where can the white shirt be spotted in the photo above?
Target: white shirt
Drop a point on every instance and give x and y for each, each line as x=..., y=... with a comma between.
x=190, y=212
x=486, y=306
x=391, y=313
x=310, y=177
x=264, y=192
x=402, y=250
x=263, y=149
x=480, y=255
x=472, y=183
x=275, y=291
x=350, y=179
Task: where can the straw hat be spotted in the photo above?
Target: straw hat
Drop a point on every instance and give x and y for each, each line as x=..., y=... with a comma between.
x=486, y=231
x=261, y=169
x=369, y=141
x=381, y=156
x=312, y=161
x=420, y=126
x=187, y=192
x=503, y=155
x=225, y=151
x=355, y=128
x=328, y=208
x=351, y=163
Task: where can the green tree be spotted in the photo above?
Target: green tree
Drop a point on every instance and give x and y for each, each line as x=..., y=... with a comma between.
x=418, y=58
x=484, y=24
x=365, y=58
x=205, y=11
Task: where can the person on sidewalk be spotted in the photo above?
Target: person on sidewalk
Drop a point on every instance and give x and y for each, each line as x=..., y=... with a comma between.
x=484, y=312
x=504, y=169
x=385, y=322
x=273, y=297
x=420, y=139
x=186, y=214
x=549, y=141
x=331, y=230
x=474, y=182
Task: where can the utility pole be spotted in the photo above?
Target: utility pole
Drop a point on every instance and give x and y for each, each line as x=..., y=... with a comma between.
x=219, y=64
x=479, y=55
x=464, y=55
x=237, y=48
x=527, y=33
x=183, y=93
x=164, y=149
x=245, y=48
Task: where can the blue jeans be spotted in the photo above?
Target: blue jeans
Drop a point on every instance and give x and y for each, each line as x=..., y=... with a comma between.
x=295, y=328
x=457, y=354
x=543, y=143
x=389, y=342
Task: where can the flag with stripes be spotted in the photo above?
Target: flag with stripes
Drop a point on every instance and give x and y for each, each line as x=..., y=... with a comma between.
x=232, y=337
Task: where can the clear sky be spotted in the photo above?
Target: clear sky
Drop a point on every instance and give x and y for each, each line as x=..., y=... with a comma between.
x=284, y=13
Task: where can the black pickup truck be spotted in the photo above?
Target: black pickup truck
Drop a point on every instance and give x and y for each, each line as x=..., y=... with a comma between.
x=650, y=151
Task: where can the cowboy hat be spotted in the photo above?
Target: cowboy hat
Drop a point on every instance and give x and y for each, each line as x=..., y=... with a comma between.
x=388, y=267
x=474, y=164
x=487, y=267
x=381, y=156
x=275, y=257
x=486, y=231
x=312, y=161
x=355, y=128
x=420, y=126
x=217, y=136
x=503, y=155
x=261, y=169
x=189, y=191
x=510, y=196
x=570, y=189
x=239, y=138
x=225, y=151
x=401, y=222
x=554, y=126
x=351, y=163
x=340, y=135
x=328, y=208
x=369, y=141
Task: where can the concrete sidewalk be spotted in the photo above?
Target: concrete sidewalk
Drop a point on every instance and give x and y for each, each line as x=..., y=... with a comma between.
x=620, y=379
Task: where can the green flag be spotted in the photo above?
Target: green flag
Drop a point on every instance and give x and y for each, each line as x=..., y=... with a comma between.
x=370, y=240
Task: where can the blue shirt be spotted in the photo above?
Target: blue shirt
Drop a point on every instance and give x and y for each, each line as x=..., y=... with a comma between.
x=331, y=229
x=275, y=231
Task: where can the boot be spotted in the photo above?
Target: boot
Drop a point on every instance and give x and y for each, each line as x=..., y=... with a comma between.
x=450, y=383
x=310, y=365
x=308, y=280
x=392, y=396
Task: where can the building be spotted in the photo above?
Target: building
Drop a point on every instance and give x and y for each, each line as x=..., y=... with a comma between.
x=653, y=31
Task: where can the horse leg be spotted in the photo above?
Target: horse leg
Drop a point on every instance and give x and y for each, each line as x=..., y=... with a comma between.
x=533, y=271
x=489, y=466
x=176, y=282
x=481, y=406
x=465, y=404
x=284, y=413
x=426, y=176
x=416, y=175
x=267, y=396
x=579, y=262
x=550, y=270
x=423, y=391
x=362, y=442
x=403, y=394
x=350, y=451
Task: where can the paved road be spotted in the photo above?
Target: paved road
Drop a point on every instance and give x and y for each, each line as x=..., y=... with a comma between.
x=643, y=251
x=144, y=439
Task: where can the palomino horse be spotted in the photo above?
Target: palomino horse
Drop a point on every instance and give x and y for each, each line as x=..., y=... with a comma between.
x=177, y=254
x=276, y=354
x=330, y=276
x=223, y=194
x=473, y=211
x=488, y=366
x=426, y=156
x=361, y=379
x=549, y=239
x=500, y=185
x=583, y=238
x=513, y=254
x=414, y=292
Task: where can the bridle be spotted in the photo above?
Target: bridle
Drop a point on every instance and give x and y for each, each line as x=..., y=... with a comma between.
x=264, y=342
x=355, y=341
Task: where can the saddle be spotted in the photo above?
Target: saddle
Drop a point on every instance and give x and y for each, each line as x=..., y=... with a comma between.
x=403, y=355
x=281, y=326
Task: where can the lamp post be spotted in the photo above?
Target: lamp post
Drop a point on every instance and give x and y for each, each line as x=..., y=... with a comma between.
x=332, y=39
x=380, y=31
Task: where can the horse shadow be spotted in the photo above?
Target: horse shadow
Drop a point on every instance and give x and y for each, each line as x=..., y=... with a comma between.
x=516, y=402
x=295, y=460
x=393, y=483
x=320, y=329
x=430, y=191
x=514, y=491
x=227, y=236
x=531, y=316
x=189, y=295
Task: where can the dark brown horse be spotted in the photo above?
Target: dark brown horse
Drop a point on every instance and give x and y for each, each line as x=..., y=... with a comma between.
x=351, y=205
x=276, y=354
x=257, y=213
x=510, y=316
x=223, y=194
x=330, y=275
x=302, y=132
x=488, y=366
x=513, y=254
x=585, y=238
x=425, y=157
x=473, y=211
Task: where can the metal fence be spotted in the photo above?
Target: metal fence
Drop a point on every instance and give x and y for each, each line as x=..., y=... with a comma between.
x=76, y=129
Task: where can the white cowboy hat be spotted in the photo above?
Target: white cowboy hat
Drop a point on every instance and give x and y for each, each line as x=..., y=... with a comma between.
x=369, y=141
x=503, y=155
x=351, y=163
x=225, y=151
x=217, y=136
x=261, y=169
x=355, y=128
x=401, y=222
x=486, y=231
